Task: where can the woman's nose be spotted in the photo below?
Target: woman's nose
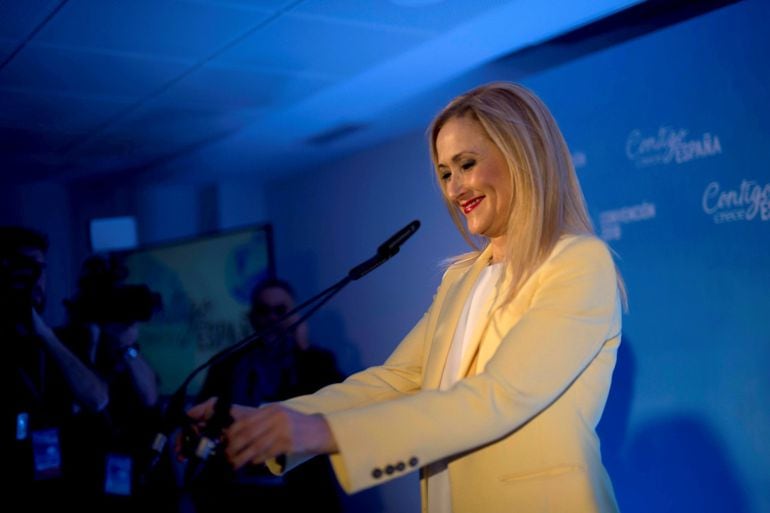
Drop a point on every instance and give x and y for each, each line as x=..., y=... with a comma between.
x=455, y=187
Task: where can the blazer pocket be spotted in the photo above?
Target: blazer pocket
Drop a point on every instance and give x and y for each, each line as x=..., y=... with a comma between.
x=544, y=473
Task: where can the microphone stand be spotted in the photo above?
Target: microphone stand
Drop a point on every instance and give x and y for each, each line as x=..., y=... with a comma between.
x=211, y=437
x=175, y=416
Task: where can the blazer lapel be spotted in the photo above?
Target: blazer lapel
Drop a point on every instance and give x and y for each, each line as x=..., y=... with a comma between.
x=449, y=316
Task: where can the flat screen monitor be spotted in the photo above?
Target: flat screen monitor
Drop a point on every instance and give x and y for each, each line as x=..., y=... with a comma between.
x=205, y=283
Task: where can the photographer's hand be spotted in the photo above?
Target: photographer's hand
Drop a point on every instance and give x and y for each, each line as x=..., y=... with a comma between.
x=41, y=329
x=122, y=339
x=88, y=389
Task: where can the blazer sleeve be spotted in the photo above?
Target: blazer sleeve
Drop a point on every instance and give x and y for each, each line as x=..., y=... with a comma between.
x=571, y=315
x=401, y=374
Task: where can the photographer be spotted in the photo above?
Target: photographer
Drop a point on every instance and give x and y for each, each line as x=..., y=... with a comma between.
x=103, y=329
x=47, y=384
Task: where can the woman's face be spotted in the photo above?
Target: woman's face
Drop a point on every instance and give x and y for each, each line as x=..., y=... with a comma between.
x=474, y=176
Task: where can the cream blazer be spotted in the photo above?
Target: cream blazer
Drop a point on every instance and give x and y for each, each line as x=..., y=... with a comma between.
x=518, y=429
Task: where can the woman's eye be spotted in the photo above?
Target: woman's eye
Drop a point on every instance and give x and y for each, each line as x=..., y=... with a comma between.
x=468, y=164
x=445, y=176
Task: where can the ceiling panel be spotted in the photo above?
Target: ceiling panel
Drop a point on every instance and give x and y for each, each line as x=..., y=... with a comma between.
x=18, y=18
x=84, y=73
x=229, y=87
x=431, y=16
x=6, y=47
x=297, y=43
x=25, y=141
x=158, y=128
x=31, y=167
x=96, y=86
x=151, y=137
x=149, y=27
x=55, y=113
x=261, y=5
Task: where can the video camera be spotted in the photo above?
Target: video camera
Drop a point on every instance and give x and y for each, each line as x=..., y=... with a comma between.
x=103, y=297
x=120, y=303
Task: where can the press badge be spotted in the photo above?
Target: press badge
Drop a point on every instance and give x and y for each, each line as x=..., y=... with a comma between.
x=46, y=452
x=22, y=422
x=117, y=475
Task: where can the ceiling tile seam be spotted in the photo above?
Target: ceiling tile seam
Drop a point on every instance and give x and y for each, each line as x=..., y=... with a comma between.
x=51, y=15
x=160, y=160
x=271, y=70
x=383, y=27
x=27, y=91
x=312, y=75
x=230, y=5
x=111, y=53
x=121, y=114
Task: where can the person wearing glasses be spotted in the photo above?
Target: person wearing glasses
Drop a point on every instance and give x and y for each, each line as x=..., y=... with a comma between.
x=285, y=365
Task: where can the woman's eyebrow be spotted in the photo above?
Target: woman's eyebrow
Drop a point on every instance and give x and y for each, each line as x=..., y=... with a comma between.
x=459, y=156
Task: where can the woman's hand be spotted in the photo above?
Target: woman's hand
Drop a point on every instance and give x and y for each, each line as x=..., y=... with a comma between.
x=188, y=436
x=258, y=434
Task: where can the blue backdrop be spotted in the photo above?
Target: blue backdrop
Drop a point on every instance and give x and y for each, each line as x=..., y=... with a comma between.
x=670, y=134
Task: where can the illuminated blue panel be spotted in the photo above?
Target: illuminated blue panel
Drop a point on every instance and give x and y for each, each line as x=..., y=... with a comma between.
x=113, y=233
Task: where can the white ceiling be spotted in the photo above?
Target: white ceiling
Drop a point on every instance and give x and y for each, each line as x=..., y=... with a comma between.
x=208, y=89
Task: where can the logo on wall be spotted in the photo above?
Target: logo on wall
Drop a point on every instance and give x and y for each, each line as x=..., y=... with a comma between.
x=670, y=145
x=610, y=221
x=751, y=200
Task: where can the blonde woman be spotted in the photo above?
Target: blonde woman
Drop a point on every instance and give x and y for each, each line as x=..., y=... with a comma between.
x=495, y=394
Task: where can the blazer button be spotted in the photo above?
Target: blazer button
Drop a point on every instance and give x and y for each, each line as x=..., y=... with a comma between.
x=390, y=469
x=377, y=473
x=400, y=466
x=413, y=461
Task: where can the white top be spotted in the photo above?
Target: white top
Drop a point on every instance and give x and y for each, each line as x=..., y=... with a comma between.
x=439, y=494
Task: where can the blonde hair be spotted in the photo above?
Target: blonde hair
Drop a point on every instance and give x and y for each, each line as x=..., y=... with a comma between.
x=547, y=200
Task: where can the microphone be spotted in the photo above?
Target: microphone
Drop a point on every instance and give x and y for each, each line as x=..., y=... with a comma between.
x=391, y=246
x=385, y=251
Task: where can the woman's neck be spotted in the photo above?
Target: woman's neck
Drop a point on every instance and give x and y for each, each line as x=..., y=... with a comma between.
x=498, y=250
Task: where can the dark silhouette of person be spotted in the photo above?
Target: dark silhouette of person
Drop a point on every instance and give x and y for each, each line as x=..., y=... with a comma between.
x=47, y=387
x=102, y=329
x=284, y=365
